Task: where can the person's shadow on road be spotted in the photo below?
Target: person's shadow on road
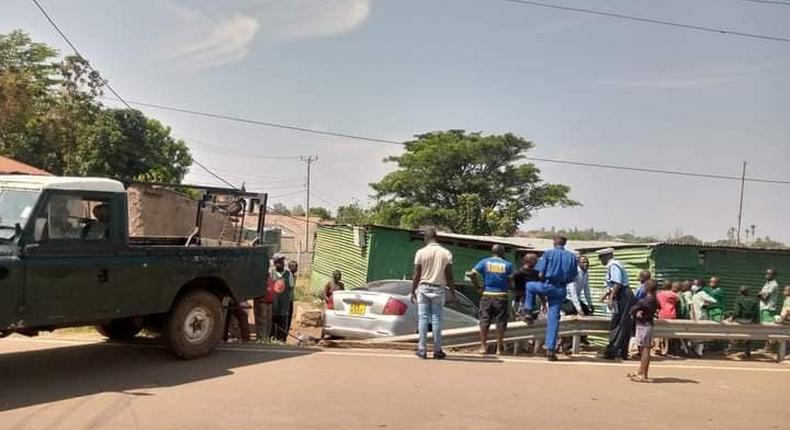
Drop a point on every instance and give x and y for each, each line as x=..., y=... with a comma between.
x=47, y=375
x=672, y=380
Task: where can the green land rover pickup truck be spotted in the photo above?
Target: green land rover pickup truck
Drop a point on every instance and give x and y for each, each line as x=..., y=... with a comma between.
x=66, y=259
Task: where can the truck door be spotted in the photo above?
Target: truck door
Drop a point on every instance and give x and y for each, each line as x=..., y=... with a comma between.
x=68, y=258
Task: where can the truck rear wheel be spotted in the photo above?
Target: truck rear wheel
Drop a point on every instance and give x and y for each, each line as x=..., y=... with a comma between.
x=124, y=329
x=195, y=325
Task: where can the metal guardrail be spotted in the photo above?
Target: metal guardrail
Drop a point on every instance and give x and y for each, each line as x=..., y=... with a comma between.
x=577, y=326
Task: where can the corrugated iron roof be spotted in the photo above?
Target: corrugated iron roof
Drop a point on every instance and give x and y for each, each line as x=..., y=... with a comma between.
x=9, y=166
x=702, y=246
x=515, y=241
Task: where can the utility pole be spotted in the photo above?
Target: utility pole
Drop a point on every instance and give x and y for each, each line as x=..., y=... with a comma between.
x=309, y=160
x=740, y=206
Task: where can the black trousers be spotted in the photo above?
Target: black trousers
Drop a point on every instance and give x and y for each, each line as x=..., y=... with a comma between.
x=622, y=326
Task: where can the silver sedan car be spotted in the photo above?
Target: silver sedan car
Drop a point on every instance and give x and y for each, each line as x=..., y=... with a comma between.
x=383, y=309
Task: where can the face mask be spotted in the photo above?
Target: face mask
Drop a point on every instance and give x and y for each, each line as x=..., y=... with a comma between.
x=694, y=288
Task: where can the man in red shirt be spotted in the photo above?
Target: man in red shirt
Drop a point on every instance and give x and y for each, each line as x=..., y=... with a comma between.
x=263, y=313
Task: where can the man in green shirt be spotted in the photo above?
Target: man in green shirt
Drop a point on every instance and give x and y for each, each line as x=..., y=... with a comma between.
x=715, y=310
x=281, y=307
x=747, y=311
x=769, y=297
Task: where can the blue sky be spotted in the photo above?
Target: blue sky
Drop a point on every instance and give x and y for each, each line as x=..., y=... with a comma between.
x=581, y=87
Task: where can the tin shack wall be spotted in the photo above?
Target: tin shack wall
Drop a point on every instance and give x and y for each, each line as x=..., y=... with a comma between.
x=335, y=250
x=634, y=259
x=733, y=266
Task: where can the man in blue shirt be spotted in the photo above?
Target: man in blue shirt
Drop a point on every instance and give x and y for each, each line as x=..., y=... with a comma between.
x=557, y=268
x=497, y=279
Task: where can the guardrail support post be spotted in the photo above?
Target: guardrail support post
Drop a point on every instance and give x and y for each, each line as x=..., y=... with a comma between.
x=577, y=340
x=782, y=352
x=516, y=345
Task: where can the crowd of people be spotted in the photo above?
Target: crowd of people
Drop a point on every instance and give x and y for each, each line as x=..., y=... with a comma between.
x=273, y=310
x=557, y=283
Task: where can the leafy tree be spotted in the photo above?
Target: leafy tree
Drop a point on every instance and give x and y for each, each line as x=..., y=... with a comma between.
x=280, y=209
x=50, y=118
x=321, y=213
x=126, y=144
x=466, y=182
x=297, y=210
x=352, y=214
x=767, y=242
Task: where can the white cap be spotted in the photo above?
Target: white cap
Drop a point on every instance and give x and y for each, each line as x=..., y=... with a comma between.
x=605, y=251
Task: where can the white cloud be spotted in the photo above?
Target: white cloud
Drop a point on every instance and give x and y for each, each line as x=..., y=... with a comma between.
x=298, y=19
x=225, y=41
x=208, y=37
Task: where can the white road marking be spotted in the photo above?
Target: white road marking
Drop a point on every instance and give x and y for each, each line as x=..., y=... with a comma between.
x=781, y=367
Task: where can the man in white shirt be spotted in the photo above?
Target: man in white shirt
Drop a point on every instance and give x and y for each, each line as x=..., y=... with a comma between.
x=433, y=273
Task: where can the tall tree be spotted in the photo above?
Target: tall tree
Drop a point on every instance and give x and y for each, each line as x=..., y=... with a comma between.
x=50, y=117
x=467, y=182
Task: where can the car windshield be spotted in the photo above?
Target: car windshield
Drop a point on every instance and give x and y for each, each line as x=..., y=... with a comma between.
x=15, y=208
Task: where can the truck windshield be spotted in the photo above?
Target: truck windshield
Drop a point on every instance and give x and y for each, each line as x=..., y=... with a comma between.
x=15, y=208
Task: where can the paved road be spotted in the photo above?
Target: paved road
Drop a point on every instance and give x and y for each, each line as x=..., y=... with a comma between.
x=52, y=383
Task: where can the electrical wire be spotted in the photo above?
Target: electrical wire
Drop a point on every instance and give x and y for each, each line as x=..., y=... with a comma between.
x=773, y=2
x=287, y=194
x=263, y=123
x=647, y=20
x=230, y=152
x=213, y=174
x=649, y=170
x=106, y=83
x=76, y=51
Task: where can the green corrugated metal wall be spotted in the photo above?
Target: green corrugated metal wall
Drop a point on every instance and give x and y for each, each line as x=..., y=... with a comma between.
x=335, y=250
x=735, y=267
x=634, y=259
x=389, y=255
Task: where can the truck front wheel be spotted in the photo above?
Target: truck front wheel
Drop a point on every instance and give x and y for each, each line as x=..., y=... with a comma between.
x=195, y=325
x=124, y=329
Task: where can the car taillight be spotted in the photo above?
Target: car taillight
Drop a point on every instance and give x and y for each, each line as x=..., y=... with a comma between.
x=330, y=303
x=395, y=307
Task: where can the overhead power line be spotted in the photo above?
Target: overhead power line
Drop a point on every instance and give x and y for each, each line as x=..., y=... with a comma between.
x=264, y=123
x=649, y=170
x=76, y=51
x=773, y=2
x=393, y=142
x=213, y=174
x=648, y=20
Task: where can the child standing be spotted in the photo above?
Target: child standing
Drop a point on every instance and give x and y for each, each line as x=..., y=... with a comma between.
x=644, y=312
x=667, y=301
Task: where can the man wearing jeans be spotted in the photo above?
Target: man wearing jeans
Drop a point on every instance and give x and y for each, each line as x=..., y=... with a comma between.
x=433, y=272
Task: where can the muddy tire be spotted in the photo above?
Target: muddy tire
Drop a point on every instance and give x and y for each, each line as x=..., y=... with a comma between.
x=195, y=325
x=124, y=329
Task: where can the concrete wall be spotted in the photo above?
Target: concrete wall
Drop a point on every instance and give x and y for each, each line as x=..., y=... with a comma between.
x=162, y=212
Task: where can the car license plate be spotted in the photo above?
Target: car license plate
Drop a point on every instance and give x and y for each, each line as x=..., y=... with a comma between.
x=357, y=309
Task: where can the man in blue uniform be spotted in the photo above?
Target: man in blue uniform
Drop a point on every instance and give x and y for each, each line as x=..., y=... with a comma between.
x=621, y=298
x=557, y=268
x=494, y=300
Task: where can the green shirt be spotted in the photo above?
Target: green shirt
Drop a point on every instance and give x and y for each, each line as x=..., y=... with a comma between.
x=746, y=308
x=282, y=301
x=771, y=291
x=718, y=294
